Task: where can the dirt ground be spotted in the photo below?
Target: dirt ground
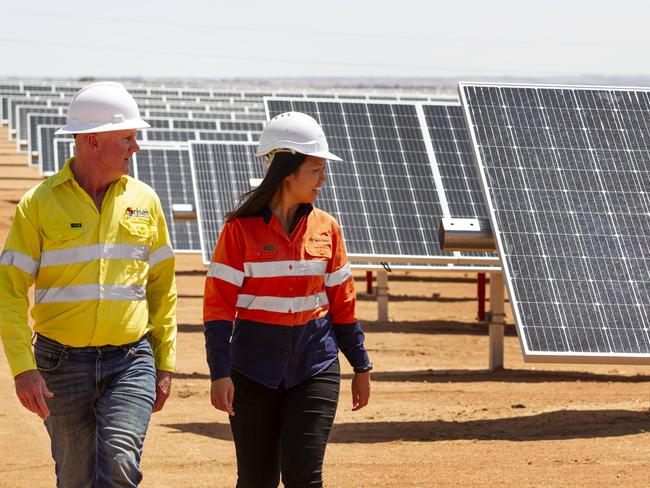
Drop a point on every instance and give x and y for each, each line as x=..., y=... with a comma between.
x=436, y=417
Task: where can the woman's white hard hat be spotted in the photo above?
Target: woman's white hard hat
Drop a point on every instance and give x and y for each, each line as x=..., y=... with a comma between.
x=294, y=132
x=102, y=107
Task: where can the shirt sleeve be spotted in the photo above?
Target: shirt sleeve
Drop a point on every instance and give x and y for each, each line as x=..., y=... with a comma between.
x=161, y=296
x=19, y=264
x=222, y=284
x=339, y=285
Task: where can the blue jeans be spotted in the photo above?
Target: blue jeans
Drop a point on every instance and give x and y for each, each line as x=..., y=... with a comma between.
x=103, y=397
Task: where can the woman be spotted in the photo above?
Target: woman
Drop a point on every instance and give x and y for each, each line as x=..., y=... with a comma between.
x=280, y=273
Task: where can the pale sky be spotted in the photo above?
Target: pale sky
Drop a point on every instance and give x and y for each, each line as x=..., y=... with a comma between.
x=286, y=38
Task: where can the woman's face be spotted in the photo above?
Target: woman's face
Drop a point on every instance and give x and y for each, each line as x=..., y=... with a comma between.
x=304, y=185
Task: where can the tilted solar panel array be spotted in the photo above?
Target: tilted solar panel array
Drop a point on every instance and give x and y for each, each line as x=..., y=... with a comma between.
x=391, y=189
x=566, y=172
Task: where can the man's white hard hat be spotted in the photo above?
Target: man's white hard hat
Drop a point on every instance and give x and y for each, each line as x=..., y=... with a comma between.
x=102, y=107
x=294, y=132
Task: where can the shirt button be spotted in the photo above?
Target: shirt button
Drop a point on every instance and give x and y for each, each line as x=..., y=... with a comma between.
x=290, y=266
x=285, y=353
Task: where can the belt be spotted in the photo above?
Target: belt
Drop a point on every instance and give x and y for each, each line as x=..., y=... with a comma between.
x=88, y=349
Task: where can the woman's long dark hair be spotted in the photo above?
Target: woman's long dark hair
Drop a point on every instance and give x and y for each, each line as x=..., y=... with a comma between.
x=251, y=202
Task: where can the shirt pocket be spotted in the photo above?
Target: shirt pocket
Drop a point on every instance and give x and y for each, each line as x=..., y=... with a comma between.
x=140, y=233
x=321, y=250
x=260, y=253
x=55, y=236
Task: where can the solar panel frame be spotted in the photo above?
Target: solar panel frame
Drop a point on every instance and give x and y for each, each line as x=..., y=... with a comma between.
x=548, y=289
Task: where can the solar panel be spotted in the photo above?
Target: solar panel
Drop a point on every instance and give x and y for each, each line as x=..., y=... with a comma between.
x=63, y=150
x=221, y=172
x=387, y=194
x=180, y=135
x=33, y=121
x=566, y=174
x=455, y=159
x=46, y=161
x=167, y=170
x=23, y=127
x=242, y=126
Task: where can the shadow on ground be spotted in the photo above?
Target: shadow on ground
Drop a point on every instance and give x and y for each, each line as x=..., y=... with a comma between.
x=557, y=425
x=503, y=376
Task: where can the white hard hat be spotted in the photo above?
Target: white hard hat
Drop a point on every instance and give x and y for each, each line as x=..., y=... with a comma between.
x=102, y=107
x=294, y=132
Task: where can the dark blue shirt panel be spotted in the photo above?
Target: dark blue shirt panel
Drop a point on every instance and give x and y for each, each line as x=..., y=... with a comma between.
x=269, y=353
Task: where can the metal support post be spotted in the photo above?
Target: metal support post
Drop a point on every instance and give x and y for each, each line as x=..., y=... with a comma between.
x=382, y=295
x=369, y=282
x=480, y=295
x=497, y=302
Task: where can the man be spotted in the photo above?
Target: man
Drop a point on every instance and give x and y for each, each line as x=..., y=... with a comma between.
x=95, y=243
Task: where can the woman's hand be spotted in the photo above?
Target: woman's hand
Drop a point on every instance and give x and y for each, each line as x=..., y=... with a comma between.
x=222, y=392
x=360, y=390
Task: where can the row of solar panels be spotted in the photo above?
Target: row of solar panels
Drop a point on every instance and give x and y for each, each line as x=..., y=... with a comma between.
x=236, y=91
x=405, y=166
x=565, y=174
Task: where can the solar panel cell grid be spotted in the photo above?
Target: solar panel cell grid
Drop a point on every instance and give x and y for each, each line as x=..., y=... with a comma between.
x=566, y=172
x=167, y=171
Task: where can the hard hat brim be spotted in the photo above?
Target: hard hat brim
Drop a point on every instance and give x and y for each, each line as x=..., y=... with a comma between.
x=320, y=154
x=90, y=128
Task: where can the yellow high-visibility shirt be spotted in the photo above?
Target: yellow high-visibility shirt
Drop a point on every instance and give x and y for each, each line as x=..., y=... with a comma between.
x=100, y=278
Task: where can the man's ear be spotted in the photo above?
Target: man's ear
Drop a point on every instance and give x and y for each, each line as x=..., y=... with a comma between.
x=93, y=142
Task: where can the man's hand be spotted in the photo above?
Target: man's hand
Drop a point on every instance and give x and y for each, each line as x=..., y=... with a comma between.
x=163, y=388
x=360, y=390
x=32, y=391
x=222, y=392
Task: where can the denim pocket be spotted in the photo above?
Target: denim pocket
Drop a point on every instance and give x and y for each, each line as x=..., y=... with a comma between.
x=47, y=361
x=142, y=349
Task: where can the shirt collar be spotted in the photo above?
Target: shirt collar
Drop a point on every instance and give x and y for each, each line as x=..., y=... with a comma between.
x=66, y=174
x=303, y=209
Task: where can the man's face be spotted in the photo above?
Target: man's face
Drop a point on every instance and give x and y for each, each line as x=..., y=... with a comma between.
x=114, y=151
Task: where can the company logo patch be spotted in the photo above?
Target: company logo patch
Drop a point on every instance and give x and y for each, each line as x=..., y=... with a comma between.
x=323, y=240
x=136, y=212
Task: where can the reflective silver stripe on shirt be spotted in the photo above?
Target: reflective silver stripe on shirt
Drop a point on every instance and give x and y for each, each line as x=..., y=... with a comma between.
x=339, y=276
x=160, y=254
x=84, y=254
x=79, y=293
x=226, y=273
x=281, y=304
x=23, y=262
x=285, y=268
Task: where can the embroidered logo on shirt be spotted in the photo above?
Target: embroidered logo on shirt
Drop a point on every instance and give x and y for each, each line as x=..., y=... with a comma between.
x=319, y=239
x=137, y=212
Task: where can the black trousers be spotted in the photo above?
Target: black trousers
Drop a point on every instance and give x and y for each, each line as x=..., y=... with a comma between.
x=283, y=430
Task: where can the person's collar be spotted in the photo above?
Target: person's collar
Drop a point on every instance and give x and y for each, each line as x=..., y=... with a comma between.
x=66, y=174
x=303, y=209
